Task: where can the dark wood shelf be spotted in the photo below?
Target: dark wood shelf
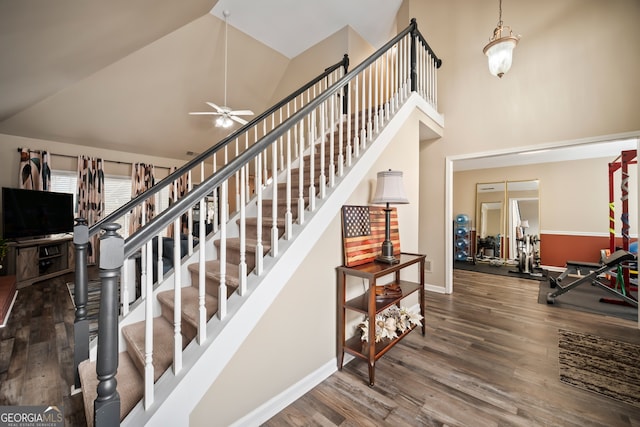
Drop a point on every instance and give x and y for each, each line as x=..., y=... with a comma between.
x=356, y=347
x=361, y=302
x=369, y=305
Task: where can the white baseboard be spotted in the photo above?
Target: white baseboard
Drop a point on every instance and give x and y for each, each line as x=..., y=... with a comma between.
x=276, y=404
x=434, y=288
x=6, y=317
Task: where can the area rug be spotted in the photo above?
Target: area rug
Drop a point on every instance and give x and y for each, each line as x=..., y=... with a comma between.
x=500, y=270
x=586, y=297
x=93, y=303
x=605, y=366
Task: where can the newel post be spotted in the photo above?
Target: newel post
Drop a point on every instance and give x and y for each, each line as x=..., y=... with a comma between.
x=414, y=71
x=81, y=323
x=106, y=411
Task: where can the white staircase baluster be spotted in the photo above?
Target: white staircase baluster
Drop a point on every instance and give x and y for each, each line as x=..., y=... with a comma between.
x=387, y=82
x=370, y=107
x=237, y=178
x=202, y=233
x=301, y=174
x=288, y=216
x=177, y=304
x=189, y=218
x=346, y=117
x=332, y=133
x=148, y=340
x=259, y=245
x=376, y=102
x=323, y=137
x=216, y=201
x=242, y=267
x=356, y=114
x=274, y=200
x=312, y=161
x=222, y=256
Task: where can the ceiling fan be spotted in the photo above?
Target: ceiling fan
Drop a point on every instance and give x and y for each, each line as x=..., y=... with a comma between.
x=226, y=116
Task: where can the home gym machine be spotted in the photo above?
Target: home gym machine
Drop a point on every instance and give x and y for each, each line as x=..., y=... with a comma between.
x=596, y=276
x=613, y=273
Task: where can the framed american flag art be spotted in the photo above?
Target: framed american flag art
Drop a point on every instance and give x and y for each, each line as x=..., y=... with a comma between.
x=363, y=233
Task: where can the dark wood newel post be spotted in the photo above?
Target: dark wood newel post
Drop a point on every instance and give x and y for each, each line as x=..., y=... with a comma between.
x=106, y=411
x=81, y=323
x=414, y=71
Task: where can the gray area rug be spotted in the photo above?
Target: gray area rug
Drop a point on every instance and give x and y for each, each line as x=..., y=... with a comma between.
x=93, y=304
x=605, y=366
x=586, y=297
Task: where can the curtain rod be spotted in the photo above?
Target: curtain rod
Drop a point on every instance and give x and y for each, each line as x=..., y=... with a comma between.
x=104, y=160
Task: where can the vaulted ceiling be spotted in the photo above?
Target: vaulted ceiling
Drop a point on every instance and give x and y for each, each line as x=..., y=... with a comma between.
x=123, y=75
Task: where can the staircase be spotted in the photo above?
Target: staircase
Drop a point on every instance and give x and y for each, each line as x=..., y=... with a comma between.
x=312, y=153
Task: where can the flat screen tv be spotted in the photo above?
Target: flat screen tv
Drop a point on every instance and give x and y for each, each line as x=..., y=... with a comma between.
x=31, y=213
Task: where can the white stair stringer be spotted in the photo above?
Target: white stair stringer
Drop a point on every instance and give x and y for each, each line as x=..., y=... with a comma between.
x=176, y=396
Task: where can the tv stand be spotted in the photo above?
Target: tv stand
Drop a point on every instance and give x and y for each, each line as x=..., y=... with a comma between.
x=39, y=259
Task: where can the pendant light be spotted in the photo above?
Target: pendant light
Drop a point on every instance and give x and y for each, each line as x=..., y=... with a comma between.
x=500, y=48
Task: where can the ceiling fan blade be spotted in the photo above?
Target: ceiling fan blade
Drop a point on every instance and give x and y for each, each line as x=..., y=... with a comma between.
x=241, y=112
x=238, y=119
x=212, y=105
x=202, y=113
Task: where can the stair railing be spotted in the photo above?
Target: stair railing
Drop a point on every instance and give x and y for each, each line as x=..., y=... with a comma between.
x=327, y=132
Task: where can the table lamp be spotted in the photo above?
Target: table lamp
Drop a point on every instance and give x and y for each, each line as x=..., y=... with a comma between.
x=389, y=189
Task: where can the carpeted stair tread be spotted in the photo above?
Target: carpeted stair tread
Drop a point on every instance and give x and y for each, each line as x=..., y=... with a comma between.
x=190, y=309
x=212, y=271
x=266, y=221
x=233, y=243
x=162, y=345
x=130, y=385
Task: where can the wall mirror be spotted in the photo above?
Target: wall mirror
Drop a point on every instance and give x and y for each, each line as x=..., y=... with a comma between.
x=523, y=201
x=490, y=220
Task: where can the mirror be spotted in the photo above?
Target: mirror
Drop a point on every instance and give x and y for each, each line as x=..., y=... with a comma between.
x=490, y=219
x=523, y=201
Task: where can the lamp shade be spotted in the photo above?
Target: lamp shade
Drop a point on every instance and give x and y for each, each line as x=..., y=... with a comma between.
x=524, y=223
x=389, y=188
x=500, y=55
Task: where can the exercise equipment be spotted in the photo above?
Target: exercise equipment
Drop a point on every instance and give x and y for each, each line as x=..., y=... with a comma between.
x=596, y=277
x=527, y=254
x=622, y=162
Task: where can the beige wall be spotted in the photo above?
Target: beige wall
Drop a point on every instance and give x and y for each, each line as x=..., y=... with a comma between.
x=312, y=62
x=574, y=195
x=582, y=87
x=297, y=334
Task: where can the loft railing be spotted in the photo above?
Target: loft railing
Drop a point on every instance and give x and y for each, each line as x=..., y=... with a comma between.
x=316, y=133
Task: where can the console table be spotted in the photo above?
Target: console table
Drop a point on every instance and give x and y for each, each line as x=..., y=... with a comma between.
x=369, y=305
x=34, y=260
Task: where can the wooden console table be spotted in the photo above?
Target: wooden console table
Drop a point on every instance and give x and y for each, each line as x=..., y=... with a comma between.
x=368, y=305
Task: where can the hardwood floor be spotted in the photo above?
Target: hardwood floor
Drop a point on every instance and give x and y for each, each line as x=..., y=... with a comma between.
x=490, y=358
x=36, y=350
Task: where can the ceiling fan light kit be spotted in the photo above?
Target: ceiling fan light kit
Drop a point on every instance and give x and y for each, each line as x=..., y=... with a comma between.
x=226, y=115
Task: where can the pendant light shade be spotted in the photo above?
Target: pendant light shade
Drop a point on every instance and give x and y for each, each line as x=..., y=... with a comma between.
x=499, y=50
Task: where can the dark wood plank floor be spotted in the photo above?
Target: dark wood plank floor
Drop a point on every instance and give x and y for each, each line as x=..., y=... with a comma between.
x=490, y=358
x=36, y=350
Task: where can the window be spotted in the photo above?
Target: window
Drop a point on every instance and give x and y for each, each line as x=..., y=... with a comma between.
x=117, y=192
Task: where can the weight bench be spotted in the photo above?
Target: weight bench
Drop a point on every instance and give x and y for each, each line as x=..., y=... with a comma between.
x=595, y=271
x=578, y=268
